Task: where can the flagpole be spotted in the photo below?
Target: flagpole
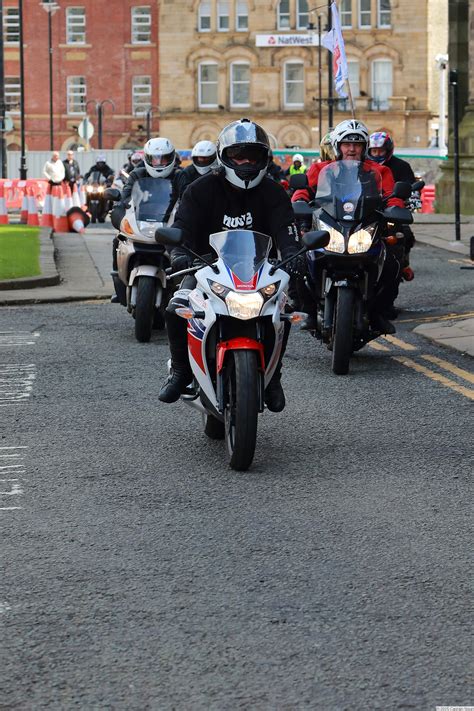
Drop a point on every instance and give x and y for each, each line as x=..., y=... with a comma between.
x=351, y=100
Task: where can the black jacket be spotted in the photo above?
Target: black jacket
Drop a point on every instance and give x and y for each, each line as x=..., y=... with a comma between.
x=275, y=171
x=138, y=173
x=401, y=170
x=72, y=172
x=212, y=204
x=106, y=171
x=185, y=177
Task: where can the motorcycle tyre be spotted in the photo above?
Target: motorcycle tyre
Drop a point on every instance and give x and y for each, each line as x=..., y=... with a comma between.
x=144, y=308
x=343, y=331
x=93, y=211
x=241, y=412
x=213, y=428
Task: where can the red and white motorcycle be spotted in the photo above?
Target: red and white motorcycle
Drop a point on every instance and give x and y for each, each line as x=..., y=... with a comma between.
x=236, y=322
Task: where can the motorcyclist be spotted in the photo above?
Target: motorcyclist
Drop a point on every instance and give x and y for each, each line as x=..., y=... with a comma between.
x=135, y=160
x=350, y=141
x=297, y=165
x=326, y=151
x=159, y=158
x=274, y=170
x=204, y=159
x=101, y=166
x=381, y=149
x=239, y=195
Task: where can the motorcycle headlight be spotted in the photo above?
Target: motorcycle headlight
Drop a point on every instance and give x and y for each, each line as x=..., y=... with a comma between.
x=148, y=229
x=360, y=241
x=89, y=189
x=100, y=189
x=218, y=289
x=270, y=290
x=244, y=306
x=336, y=239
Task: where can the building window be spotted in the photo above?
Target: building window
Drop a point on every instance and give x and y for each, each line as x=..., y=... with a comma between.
x=294, y=84
x=12, y=95
x=11, y=25
x=208, y=85
x=76, y=25
x=383, y=13
x=353, y=75
x=241, y=16
x=240, y=84
x=382, y=81
x=284, y=15
x=76, y=95
x=141, y=25
x=302, y=16
x=223, y=15
x=365, y=13
x=141, y=95
x=346, y=13
x=204, y=17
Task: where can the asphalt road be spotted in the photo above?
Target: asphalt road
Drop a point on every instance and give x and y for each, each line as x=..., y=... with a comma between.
x=140, y=572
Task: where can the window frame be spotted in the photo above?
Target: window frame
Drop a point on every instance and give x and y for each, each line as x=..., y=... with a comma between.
x=220, y=14
x=69, y=93
x=373, y=83
x=239, y=14
x=204, y=4
x=280, y=26
x=299, y=26
x=72, y=27
x=379, y=15
x=135, y=28
x=234, y=104
x=286, y=103
x=136, y=111
x=202, y=64
x=365, y=12
x=17, y=85
x=11, y=12
x=342, y=13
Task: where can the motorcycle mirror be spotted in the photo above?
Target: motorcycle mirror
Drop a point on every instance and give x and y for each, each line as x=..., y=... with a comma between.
x=301, y=208
x=112, y=194
x=171, y=236
x=316, y=239
x=419, y=185
x=398, y=214
x=402, y=190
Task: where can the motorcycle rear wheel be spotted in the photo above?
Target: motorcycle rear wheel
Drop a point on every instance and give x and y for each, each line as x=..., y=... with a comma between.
x=342, y=343
x=241, y=413
x=145, y=308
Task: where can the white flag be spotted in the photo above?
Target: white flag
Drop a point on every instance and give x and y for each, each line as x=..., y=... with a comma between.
x=334, y=42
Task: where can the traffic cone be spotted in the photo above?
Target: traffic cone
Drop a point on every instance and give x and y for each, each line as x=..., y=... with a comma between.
x=3, y=206
x=78, y=219
x=24, y=207
x=47, y=214
x=83, y=197
x=76, y=197
x=60, y=221
x=67, y=196
x=33, y=218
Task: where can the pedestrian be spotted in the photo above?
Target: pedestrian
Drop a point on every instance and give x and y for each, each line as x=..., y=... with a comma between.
x=54, y=169
x=71, y=170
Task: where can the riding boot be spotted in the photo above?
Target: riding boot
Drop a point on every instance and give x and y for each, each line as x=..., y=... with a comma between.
x=274, y=395
x=181, y=374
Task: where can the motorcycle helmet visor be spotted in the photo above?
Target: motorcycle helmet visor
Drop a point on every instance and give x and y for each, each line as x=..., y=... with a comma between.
x=250, y=152
x=159, y=160
x=204, y=161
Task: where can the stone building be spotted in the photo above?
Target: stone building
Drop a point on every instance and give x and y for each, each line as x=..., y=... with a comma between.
x=223, y=59
x=100, y=51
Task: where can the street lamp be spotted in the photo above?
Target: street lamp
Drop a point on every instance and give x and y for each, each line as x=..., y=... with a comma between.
x=99, y=107
x=50, y=6
x=23, y=169
x=149, y=115
x=442, y=64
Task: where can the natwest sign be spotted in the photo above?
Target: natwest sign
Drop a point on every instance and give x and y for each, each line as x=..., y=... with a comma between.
x=286, y=40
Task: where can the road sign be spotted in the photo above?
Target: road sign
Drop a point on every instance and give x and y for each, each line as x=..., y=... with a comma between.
x=86, y=129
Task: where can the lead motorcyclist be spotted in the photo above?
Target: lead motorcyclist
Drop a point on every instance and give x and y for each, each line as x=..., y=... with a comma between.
x=101, y=166
x=350, y=141
x=204, y=159
x=238, y=196
x=159, y=157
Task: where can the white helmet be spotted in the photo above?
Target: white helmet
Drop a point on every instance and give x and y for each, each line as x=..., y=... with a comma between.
x=298, y=157
x=246, y=141
x=159, y=156
x=349, y=131
x=205, y=152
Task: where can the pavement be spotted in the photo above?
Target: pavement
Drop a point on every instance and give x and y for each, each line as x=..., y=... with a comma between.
x=83, y=262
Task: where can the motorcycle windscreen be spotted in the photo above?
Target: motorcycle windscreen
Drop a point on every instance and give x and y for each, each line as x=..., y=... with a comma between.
x=97, y=178
x=151, y=197
x=242, y=251
x=349, y=190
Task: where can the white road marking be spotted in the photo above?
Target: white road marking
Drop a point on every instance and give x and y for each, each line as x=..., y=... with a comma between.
x=18, y=338
x=11, y=482
x=13, y=447
x=16, y=383
x=4, y=607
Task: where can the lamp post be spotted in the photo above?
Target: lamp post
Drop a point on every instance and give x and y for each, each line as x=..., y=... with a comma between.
x=50, y=6
x=330, y=77
x=442, y=64
x=3, y=143
x=453, y=80
x=149, y=116
x=99, y=107
x=23, y=168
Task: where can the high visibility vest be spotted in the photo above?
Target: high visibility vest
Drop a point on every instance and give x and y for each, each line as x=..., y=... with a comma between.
x=297, y=171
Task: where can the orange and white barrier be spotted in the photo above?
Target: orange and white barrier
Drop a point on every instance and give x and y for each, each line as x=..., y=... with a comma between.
x=33, y=218
x=60, y=221
x=78, y=219
x=3, y=207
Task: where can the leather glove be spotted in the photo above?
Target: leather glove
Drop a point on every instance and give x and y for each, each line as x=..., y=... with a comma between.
x=208, y=257
x=181, y=261
x=297, y=267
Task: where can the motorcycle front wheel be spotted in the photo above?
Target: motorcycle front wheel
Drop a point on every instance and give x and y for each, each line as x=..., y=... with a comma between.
x=241, y=413
x=145, y=308
x=342, y=343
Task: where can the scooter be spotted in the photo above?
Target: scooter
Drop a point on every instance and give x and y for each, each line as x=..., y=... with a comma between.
x=236, y=323
x=140, y=281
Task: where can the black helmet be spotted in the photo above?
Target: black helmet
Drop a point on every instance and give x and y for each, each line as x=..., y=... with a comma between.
x=243, y=140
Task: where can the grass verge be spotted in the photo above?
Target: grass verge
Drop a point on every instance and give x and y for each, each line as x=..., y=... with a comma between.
x=19, y=252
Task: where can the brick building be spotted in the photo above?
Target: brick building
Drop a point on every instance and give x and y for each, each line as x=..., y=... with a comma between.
x=221, y=59
x=100, y=51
